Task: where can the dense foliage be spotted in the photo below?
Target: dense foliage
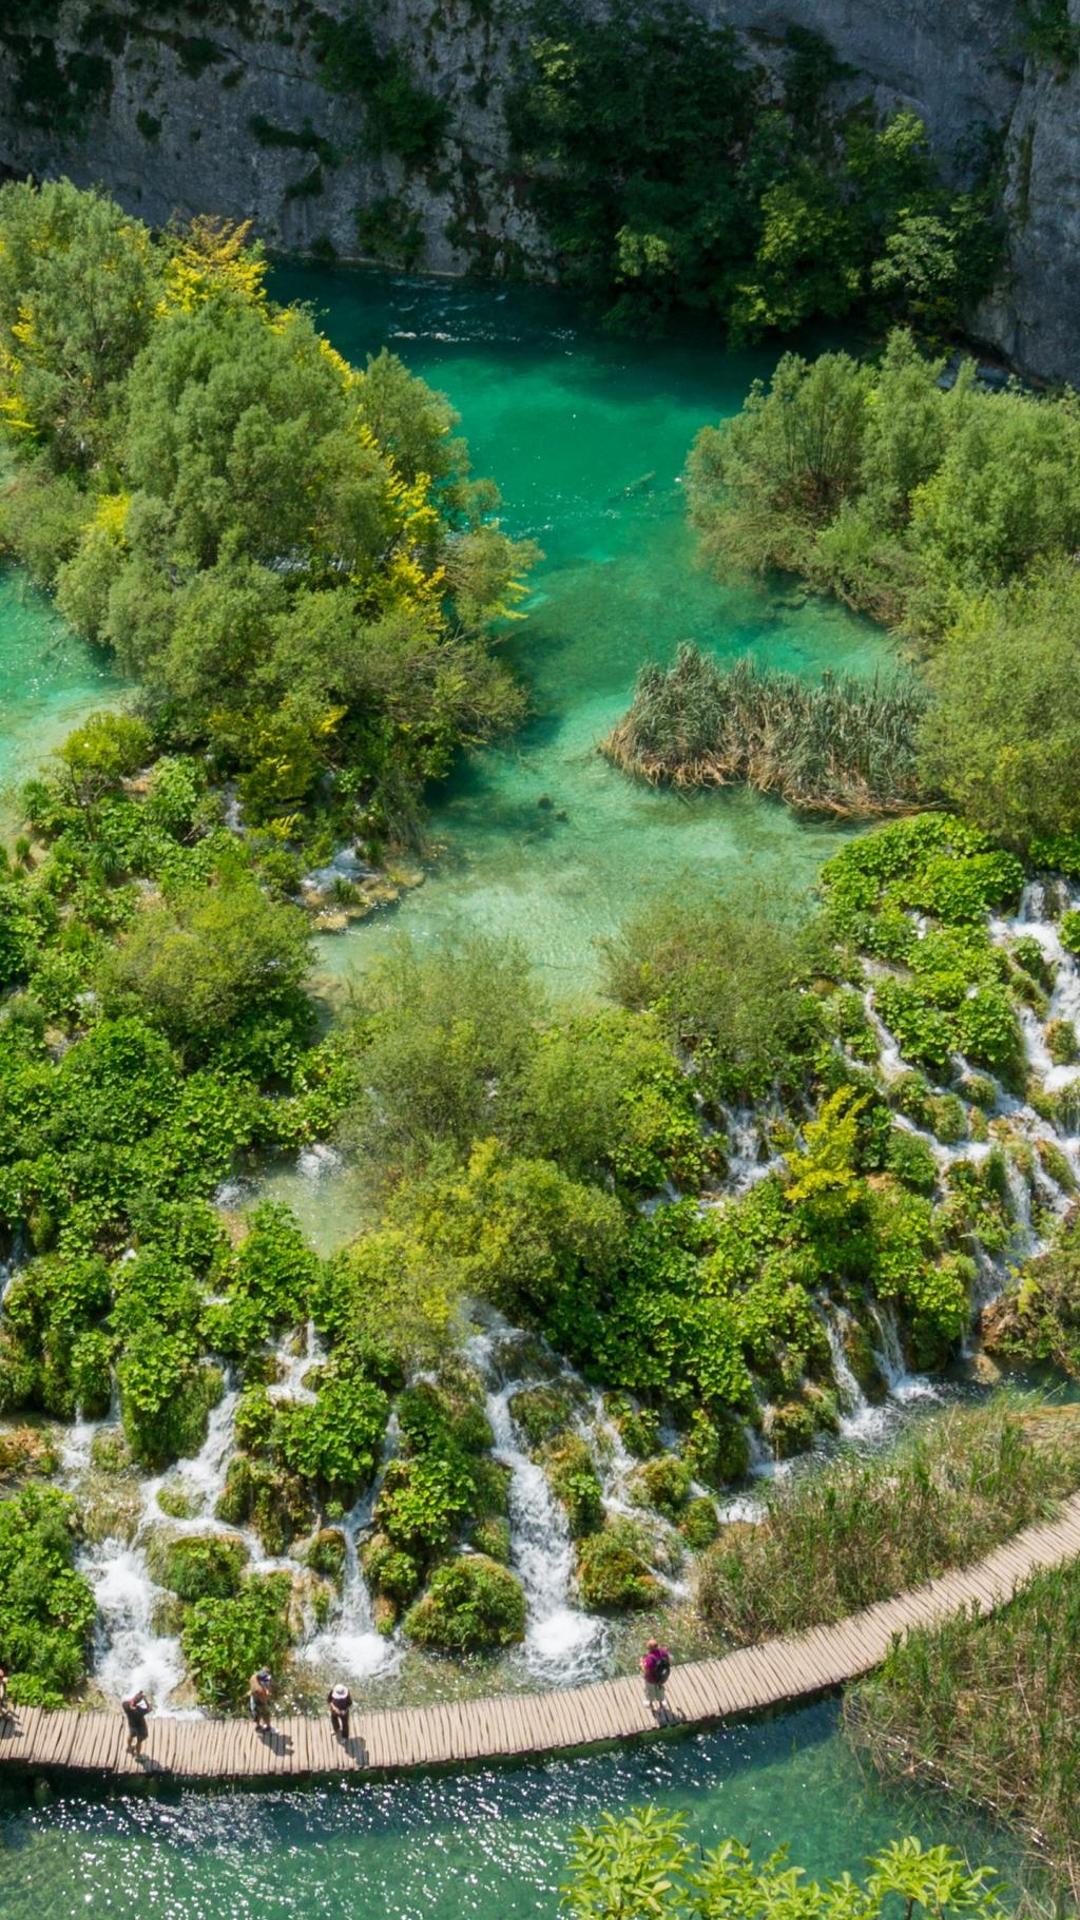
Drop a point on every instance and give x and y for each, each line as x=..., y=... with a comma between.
x=948, y=510
x=644, y=1864
x=46, y=1607
x=288, y=553
x=670, y=171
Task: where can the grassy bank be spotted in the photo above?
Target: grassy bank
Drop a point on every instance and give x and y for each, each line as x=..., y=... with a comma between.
x=865, y=1530
x=990, y=1710
x=844, y=746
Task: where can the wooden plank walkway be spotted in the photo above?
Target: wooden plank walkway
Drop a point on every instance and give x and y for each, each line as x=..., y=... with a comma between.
x=778, y=1673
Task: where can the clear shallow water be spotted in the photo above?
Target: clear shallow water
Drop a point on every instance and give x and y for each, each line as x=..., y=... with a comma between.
x=489, y=1845
x=49, y=681
x=587, y=437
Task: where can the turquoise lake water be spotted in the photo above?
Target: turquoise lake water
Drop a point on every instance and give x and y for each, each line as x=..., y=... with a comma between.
x=482, y=1846
x=587, y=437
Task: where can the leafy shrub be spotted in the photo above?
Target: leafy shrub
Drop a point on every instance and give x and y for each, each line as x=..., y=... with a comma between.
x=699, y=1524
x=569, y=1466
x=225, y=1641
x=472, y=1605
x=46, y=1608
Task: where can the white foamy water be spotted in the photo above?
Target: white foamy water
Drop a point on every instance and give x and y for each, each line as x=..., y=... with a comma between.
x=563, y=1644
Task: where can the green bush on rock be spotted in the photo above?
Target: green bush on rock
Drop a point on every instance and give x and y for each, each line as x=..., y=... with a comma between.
x=613, y=1571
x=225, y=1640
x=46, y=1608
x=472, y=1605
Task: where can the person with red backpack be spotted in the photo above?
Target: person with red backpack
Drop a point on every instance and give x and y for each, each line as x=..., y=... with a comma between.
x=656, y=1669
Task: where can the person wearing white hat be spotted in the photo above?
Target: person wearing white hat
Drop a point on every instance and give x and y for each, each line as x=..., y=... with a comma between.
x=339, y=1700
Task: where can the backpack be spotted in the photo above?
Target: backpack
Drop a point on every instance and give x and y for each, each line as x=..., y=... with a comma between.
x=661, y=1669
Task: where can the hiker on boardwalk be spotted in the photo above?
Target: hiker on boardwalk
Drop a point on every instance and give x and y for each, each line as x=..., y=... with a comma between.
x=6, y=1711
x=656, y=1669
x=136, y=1709
x=339, y=1700
x=260, y=1695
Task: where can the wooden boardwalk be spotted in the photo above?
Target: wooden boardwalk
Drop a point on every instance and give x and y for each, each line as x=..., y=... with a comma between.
x=777, y=1673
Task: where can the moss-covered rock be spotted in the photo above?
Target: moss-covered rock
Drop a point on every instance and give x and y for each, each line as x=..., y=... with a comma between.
x=637, y=1427
x=574, y=1481
x=613, y=1569
x=326, y=1554
x=861, y=1358
x=663, y=1483
x=699, y=1525
x=390, y=1571
x=26, y=1452
x=717, y=1449
x=492, y=1537
x=197, y=1566
x=472, y=1605
x=177, y=1501
x=109, y=1451
x=540, y=1413
x=1061, y=1041
x=792, y=1425
x=1055, y=1163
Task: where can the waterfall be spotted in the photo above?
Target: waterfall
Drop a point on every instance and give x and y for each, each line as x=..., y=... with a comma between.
x=562, y=1644
x=858, y=1419
x=902, y=1385
x=350, y=1646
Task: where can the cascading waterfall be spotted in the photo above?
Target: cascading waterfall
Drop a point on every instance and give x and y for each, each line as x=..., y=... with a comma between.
x=858, y=1419
x=350, y=1646
x=902, y=1385
x=562, y=1644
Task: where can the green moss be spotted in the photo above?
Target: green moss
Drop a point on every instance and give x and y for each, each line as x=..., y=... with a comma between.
x=492, y=1537
x=472, y=1605
x=542, y=1412
x=573, y=1478
x=326, y=1554
x=663, y=1483
x=198, y=1566
x=389, y=1570
x=699, y=1525
x=1062, y=1042
x=613, y=1570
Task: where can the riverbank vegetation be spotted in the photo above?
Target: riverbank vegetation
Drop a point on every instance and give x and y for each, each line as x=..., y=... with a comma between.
x=844, y=747
x=988, y=1710
x=645, y=1863
x=668, y=170
x=865, y=1530
x=290, y=554
x=950, y=513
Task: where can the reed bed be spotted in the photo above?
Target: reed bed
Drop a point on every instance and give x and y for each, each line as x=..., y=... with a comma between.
x=841, y=746
x=864, y=1530
x=989, y=1710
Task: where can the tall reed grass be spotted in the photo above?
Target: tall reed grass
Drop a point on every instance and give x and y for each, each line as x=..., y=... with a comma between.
x=989, y=1709
x=864, y=1530
x=842, y=746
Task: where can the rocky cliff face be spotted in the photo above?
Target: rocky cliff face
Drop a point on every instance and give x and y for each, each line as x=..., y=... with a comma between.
x=196, y=105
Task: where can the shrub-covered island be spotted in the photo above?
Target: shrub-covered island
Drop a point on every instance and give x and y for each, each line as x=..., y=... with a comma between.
x=705, y=1220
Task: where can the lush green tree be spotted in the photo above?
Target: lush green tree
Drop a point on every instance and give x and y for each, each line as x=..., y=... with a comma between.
x=445, y=1035
x=79, y=283
x=1002, y=738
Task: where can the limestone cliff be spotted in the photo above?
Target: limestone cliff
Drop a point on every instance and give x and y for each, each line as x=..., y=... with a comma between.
x=195, y=105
